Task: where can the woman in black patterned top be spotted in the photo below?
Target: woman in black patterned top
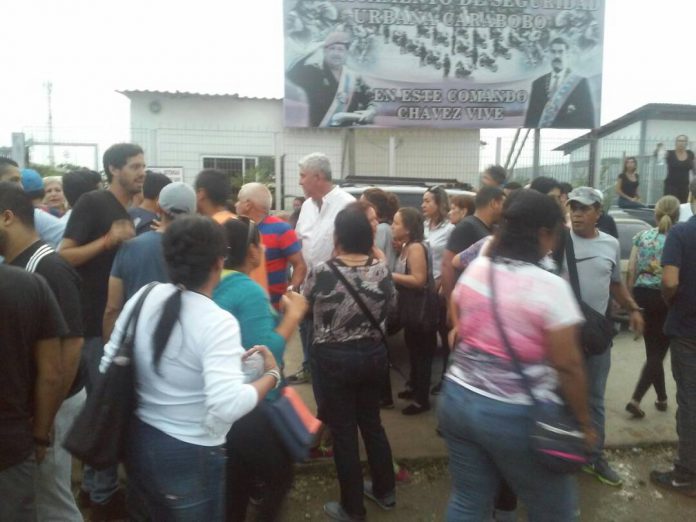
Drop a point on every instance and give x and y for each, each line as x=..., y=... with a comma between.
x=680, y=162
x=349, y=361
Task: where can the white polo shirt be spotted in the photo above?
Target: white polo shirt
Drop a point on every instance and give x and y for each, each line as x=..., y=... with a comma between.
x=315, y=226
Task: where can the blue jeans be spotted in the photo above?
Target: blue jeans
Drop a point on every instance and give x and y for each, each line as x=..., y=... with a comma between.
x=598, y=367
x=17, y=499
x=100, y=484
x=350, y=378
x=488, y=440
x=629, y=203
x=176, y=481
x=683, y=352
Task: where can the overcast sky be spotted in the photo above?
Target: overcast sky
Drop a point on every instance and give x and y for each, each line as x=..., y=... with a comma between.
x=89, y=49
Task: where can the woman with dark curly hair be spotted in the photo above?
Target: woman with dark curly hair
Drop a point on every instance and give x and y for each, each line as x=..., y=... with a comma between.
x=188, y=372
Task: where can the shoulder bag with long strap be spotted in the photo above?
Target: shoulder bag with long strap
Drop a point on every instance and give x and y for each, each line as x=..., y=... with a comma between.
x=98, y=435
x=597, y=332
x=555, y=437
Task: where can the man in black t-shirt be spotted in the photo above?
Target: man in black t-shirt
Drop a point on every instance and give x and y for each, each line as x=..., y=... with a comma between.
x=31, y=385
x=22, y=248
x=98, y=225
x=489, y=209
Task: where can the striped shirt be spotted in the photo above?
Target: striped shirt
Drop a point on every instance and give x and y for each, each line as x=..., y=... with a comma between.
x=280, y=242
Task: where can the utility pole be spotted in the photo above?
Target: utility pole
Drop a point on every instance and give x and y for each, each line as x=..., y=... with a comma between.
x=51, y=157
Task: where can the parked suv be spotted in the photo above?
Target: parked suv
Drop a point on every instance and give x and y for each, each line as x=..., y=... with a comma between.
x=410, y=195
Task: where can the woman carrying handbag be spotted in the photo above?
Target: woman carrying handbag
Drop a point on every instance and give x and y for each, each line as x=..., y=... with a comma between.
x=516, y=354
x=418, y=306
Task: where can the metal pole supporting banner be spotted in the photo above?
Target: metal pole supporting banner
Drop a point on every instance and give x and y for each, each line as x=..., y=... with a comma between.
x=537, y=153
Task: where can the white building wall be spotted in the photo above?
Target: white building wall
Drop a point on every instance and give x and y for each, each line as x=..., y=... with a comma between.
x=189, y=127
x=666, y=131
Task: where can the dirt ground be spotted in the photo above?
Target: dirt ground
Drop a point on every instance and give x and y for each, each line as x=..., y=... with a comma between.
x=424, y=499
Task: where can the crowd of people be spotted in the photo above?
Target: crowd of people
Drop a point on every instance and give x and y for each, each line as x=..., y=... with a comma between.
x=506, y=284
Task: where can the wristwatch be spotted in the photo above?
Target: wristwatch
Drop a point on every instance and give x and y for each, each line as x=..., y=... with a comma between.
x=273, y=372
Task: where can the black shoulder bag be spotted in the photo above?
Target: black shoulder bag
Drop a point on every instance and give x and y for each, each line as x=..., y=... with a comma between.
x=98, y=435
x=555, y=437
x=597, y=332
x=419, y=308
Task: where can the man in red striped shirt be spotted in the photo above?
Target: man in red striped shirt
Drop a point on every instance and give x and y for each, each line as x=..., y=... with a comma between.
x=279, y=239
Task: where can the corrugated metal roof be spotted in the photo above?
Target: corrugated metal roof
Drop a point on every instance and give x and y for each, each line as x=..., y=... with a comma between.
x=129, y=92
x=650, y=111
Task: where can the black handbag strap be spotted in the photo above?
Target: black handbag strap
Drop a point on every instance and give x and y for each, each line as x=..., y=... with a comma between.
x=503, y=335
x=128, y=338
x=572, y=266
x=358, y=300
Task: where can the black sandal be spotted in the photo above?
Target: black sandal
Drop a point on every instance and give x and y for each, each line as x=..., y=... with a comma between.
x=635, y=411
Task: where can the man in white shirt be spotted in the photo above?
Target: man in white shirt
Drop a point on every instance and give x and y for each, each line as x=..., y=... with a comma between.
x=315, y=229
x=686, y=210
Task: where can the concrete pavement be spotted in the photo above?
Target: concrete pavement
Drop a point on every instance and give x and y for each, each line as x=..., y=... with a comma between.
x=415, y=437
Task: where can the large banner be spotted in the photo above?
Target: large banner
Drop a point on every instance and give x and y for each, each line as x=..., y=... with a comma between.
x=443, y=63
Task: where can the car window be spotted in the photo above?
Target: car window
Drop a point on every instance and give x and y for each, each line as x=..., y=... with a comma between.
x=626, y=232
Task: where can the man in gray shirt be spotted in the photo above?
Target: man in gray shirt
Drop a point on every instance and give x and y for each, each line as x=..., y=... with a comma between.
x=598, y=262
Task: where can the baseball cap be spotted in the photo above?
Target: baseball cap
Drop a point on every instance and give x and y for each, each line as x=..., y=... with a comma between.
x=586, y=196
x=178, y=198
x=31, y=180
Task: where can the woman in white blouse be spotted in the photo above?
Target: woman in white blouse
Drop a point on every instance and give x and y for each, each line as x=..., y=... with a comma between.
x=188, y=363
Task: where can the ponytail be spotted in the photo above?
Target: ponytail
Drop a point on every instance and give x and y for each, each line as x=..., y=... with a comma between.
x=666, y=213
x=664, y=224
x=169, y=317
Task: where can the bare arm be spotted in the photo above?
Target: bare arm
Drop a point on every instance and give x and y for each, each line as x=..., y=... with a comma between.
x=454, y=320
x=114, y=305
x=78, y=255
x=670, y=282
x=294, y=306
x=565, y=357
x=121, y=230
x=48, y=389
x=299, y=269
x=447, y=273
x=623, y=297
x=418, y=268
x=631, y=273
x=70, y=351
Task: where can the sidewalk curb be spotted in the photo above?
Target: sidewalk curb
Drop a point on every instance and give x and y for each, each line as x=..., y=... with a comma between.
x=322, y=465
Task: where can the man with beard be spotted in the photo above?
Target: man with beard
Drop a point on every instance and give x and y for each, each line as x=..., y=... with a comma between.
x=337, y=96
x=98, y=225
x=561, y=98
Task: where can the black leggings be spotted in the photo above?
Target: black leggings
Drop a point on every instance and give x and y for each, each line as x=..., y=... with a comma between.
x=656, y=343
x=255, y=454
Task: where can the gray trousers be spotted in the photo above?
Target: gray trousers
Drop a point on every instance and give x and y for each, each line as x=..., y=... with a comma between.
x=17, y=501
x=54, y=497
